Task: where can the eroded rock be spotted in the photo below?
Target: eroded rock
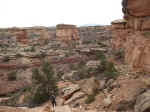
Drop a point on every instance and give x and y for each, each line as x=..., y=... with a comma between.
x=143, y=102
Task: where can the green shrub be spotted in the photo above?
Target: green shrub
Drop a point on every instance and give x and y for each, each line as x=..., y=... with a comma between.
x=6, y=59
x=146, y=34
x=119, y=54
x=90, y=99
x=19, y=55
x=100, y=55
x=45, y=83
x=32, y=49
x=109, y=70
x=81, y=64
x=86, y=42
x=41, y=95
x=41, y=56
x=12, y=76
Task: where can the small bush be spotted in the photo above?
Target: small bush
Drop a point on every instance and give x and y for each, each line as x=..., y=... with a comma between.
x=41, y=95
x=90, y=99
x=86, y=42
x=19, y=55
x=109, y=70
x=81, y=64
x=12, y=76
x=146, y=34
x=119, y=54
x=100, y=55
x=32, y=49
x=6, y=59
x=41, y=56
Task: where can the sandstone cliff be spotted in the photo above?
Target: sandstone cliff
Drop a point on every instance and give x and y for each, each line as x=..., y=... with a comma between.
x=133, y=33
x=66, y=33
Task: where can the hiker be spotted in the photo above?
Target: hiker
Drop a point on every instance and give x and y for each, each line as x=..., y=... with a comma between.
x=53, y=100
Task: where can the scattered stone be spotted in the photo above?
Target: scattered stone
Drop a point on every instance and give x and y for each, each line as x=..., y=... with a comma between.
x=108, y=101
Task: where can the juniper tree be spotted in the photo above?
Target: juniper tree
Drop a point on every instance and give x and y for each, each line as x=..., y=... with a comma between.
x=44, y=83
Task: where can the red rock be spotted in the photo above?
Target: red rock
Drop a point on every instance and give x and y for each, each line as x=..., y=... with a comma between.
x=66, y=33
x=139, y=8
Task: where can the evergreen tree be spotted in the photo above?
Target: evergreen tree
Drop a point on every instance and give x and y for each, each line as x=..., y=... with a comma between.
x=44, y=83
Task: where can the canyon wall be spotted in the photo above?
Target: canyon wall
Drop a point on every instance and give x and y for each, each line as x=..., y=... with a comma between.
x=133, y=33
x=94, y=33
x=26, y=36
x=66, y=33
x=62, y=32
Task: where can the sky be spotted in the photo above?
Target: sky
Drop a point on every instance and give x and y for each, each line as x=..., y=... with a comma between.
x=28, y=13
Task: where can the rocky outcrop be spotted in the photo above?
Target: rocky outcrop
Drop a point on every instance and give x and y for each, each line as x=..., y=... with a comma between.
x=143, y=102
x=132, y=34
x=138, y=8
x=66, y=33
x=22, y=37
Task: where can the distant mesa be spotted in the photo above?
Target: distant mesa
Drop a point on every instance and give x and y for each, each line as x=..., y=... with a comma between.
x=66, y=33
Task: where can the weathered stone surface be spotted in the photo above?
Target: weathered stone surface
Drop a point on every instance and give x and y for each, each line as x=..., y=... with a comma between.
x=107, y=101
x=66, y=33
x=119, y=24
x=146, y=24
x=75, y=97
x=134, y=38
x=94, y=33
x=138, y=8
x=119, y=34
x=137, y=50
x=22, y=37
x=10, y=87
x=89, y=85
x=70, y=90
x=143, y=102
x=10, y=109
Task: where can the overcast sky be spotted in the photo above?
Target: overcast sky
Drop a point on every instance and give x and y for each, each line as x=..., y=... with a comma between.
x=27, y=13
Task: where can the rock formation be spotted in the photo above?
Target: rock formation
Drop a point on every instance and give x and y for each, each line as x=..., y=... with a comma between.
x=133, y=33
x=66, y=33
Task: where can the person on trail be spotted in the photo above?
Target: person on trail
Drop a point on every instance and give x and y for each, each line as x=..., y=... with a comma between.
x=53, y=100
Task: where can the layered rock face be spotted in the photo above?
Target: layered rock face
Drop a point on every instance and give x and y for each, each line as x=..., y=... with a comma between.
x=94, y=33
x=133, y=33
x=63, y=33
x=27, y=36
x=66, y=33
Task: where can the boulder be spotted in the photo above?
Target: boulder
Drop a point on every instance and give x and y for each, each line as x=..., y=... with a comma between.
x=75, y=97
x=88, y=85
x=107, y=101
x=69, y=91
x=143, y=102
